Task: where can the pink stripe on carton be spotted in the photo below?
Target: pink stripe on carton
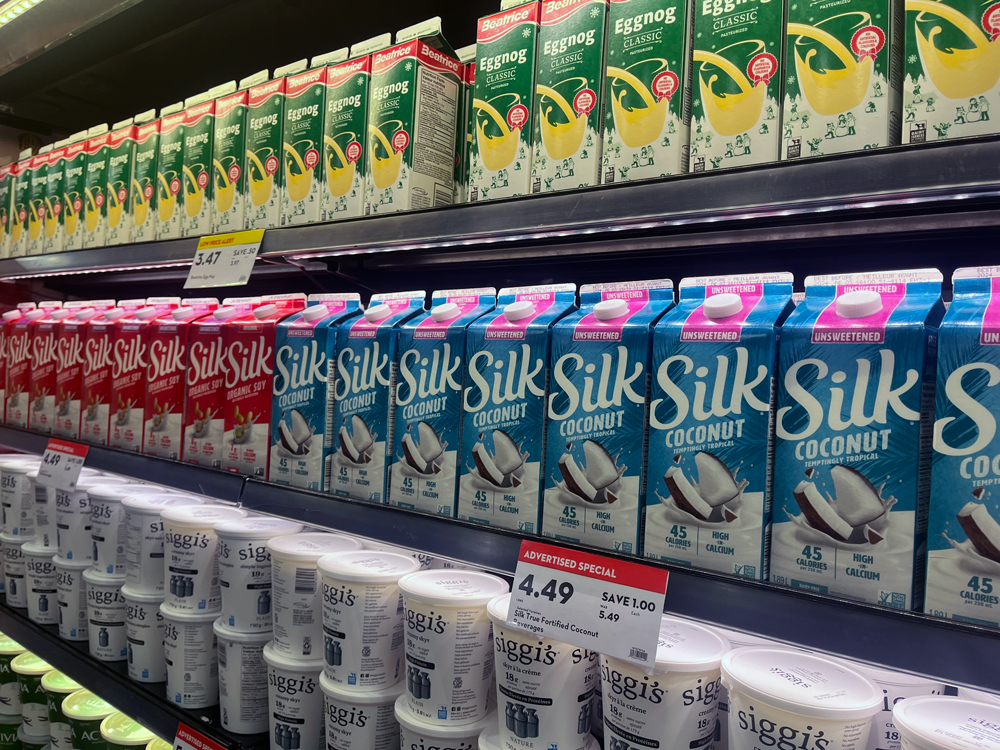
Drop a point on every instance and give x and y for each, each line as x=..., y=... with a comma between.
x=831, y=328
x=700, y=327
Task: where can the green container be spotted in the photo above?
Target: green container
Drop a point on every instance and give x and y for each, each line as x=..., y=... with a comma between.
x=198, y=186
x=74, y=190
x=54, y=208
x=159, y=744
x=121, y=155
x=9, y=725
x=6, y=195
x=29, y=742
x=30, y=669
x=10, y=698
x=229, y=158
x=144, y=180
x=263, y=176
x=57, y=686
x=85, y=712
x=95, y=191
x=302, y=135
x=36, y=203
x=21, y=211
x=170, y=172
x=119, y=730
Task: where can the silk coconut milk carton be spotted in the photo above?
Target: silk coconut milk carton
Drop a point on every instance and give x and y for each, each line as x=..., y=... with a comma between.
x=143, y=194
x=428, y=401
x=504, y=404
x=71, y=345
x=963, y=561
x=711, y=430
x=364, y=387
x=853, y=436
x=597, y=412
x=302, y=415
x=170, y=173
x=19, y=365
x=44, y=365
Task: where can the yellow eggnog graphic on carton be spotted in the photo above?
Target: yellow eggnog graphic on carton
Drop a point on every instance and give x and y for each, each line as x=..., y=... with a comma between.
x=229, y=156
x=264, y=179
x=170, y=172
x=21, y=205
x=199, y=135
x=305, y=96
x=121, y=157
x=6, y=195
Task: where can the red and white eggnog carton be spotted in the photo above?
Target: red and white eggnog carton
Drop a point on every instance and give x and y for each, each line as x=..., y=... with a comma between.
x=129, y=349
x=21, y=361
x=166, y=368
x=249, y=372
x=6, y=330
x=71, y=340
x=43, y=384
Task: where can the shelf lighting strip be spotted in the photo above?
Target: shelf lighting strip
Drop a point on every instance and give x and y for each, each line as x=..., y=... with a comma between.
x=14, y=9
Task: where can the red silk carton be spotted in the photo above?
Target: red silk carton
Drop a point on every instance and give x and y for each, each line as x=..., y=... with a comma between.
x=6, y=330
x=71, y=342
x=45, y=368
x=20, y=363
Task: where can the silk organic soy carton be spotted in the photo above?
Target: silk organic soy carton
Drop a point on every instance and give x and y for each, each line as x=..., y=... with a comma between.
x=229, y=156
x=121, y=153
x=44, y=368
x=598, y=404
x=365, y=386
x=71, y=349
x=197, y=184
x=428, y=401
x=95, y=192
x=19, y=363
x=170, y=173
x=54, y=213
x=13, y=354
x=504, y=403
x=144, y=180
x=711, y=433
x=853, y=436
x=737, y=69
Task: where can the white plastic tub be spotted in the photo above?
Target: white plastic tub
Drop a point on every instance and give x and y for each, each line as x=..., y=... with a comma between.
x=144, y=631
x=895, y=687
x=245, y=570
x=106, y=611
x=360, y=721
x=363, y=618
x=295, y=702
x=17, y=497
x=73, y=518
x=941, y=723
x=40, y=576
x=448, y=682
x=490, y=740
x=414, y=732
x=71, y=593
x=242, y=679
x=107, y=523
x=295, y=590
x=191, y=653
x=192, y=567
x=44, y=508
x=15, y=584
x=426, y=561
x=144, y=538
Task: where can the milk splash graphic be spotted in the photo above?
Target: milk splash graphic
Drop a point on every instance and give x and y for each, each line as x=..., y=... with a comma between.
x=853, y=429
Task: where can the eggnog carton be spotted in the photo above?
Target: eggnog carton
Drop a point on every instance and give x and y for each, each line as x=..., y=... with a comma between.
x=711, y=433
x=54, y=207
x=71, y=345
x=363, y=395
x=250, y=344
x=229, y=156
x=36, y=202
x=74, y=190
x=6, y=195
x=467, y=57
x=197, y=183
x=21, y=203
x=595, y=455
x=504, y=403
x=302, y=414
x=95, y=197
x=121, y=152
x=166, y=373
x=44, y=367
x=428, y=439
x=170, y=173
x=853, y=436
x=16, y=367
x=144, y=180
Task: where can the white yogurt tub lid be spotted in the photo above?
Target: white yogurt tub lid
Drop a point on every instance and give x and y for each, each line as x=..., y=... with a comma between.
x=279, y=661
x=802, y=683
x=93, y=578
x=21, y=540
x=311, y=546
x=19, y=467
x=234, y=635
x=687, y=647
x=86, y=483
x=62, y=562
x=189, y=617
x=256, y=528
x=978, y=695
x=147, y=597
x=117, y=491
x=452, y=588
x=34, y=549
x=156, y=504
x=201, y=515
x=937, y=722
x=883, y=676
x=739, y=639
x=367, y=566
x=440, y=731
x=353, y=696
x=490, y=739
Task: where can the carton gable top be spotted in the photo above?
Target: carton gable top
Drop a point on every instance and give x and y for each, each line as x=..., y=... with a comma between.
x=493, y=27
x=261, y=93
x=296, y=84
x=336, y=75
x=557, y=11
x=227, y=104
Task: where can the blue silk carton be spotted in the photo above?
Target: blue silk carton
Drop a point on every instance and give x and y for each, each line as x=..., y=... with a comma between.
x=302, y=436
x=595, y=456
x=853, y=436
x=504, y=403
x=428, y=435
x=364, y=386
x=711, y=433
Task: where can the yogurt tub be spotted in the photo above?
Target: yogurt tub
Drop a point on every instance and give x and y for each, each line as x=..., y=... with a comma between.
x=106, y=611
x=191, y=563
x=17, y=498
x=44, y=509
x=490, y=740
x=675, y=703
x=946, y=723
x=295, y=702
x=73, y=518
x=9, y=724
x=107, y=523
x=119, y=730
x=426, y=561
x=85, y=712
x=30, y=742
x=414, y=732
x=30, y=670
x=242, y=679
x=57, y=686
x=71, y=596
x=295, y=591
x=144, y=628
x=245, y=570
x=773, y=689
x=144, y=538
x=544, y=688
x=895, y=686
x=190, y=651
x=360, y=721
x=979, y=696
x=10, y=698
x=159, y=744
x=40, y=580
x=448, y=682
x=363, y=617
x=15, y=584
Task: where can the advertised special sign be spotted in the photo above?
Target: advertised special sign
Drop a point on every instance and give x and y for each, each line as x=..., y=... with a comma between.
x=61, y=464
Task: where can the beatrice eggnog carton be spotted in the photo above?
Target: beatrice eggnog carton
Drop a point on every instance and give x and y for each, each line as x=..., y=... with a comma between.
x=19, y=363
x=504, y=405
x=302, y=436
x=197, y=183
x=54, y=207
x=74, y=190
x=500, y=149
x=121, y=152
x=844, y=92
x=21, y=205
x=250, y=345
x=9, y=318
x=737, y=74
x=853, y=436
x=466, y=56
x=963, y=538
x=648, y=90
x=95, y=199
x=229, y=156
x=952, y=69
x=711, y=433
x=36, y=201
x=6, y=200
x=170, y=173
x=364, y=411
x=166, y=373
x=71, y=347
x=569, y=95
x=428, y=439
x=595, y=488
x=144, y=179
x=129, y=358
x=416, y=87
x=44, y=367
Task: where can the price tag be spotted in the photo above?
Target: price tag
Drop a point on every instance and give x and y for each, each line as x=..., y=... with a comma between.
x=191, y=739
x=610, y=606
x=61, y=464
x=224, y=259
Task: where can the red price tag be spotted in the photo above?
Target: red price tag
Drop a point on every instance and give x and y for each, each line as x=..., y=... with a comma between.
x=191, y=739
x=61, y=464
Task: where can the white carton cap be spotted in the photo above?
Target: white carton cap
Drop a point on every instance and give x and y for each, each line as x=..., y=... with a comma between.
x=722, y=305
x=315, y=312
x=11, y=315
x=256, y=528
x=265, y=311
x=610, y=309
x=519, y=310
x=183, y=313
x=377, y=313
x=344, y=694
x=34, y=314
x=859, y=304
x=145, y=312
x=225, y=313
x=276, y=660
x=367, y=566
x=447, y=311
x=86, y=314
x=114, y=313
x=937, y=722
x=452, y=588
x=201, y=516
x=311, y=546
x=417, y=725
x=60, y=314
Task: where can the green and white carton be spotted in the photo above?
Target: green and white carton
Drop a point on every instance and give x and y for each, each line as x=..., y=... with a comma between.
x=843, y=77
x=197, y=183
x=169, y=173
x=736, y=81
x=143, y=197
x=121, y=155
x=95, y=192
x=466, y=56
x=412, y=118
x=74, y=190
x=54, y=207
x=36, y=201
x=22, y=205
x=647, y=108
x=6, y=201
x=229, y=156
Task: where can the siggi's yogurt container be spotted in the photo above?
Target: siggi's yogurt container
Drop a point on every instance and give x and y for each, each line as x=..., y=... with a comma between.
x=417, y=734
x=119, y=731
x=295, y=702
x=144, y=538
x=295, y=590
x=57, y=686
x=242, y=679
x=191, y=654
x=192, y=565
x=426, y=561
x=363, y=618
x=106, y=611
x=449, y=657
x=14, y=581
x=71, y=596
x=360, y=721
x=73, y=517
x=144, y=632
x=17, y=499
x=784, y=694
x=545, y=688
x=10, y=699
x=245, y=570
x=26, y=741
x=34, y=706
x=40, y=574
x=107, y=524
x=85, y=712
x=896, y=686
x=44, y=508
x=940, y=723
